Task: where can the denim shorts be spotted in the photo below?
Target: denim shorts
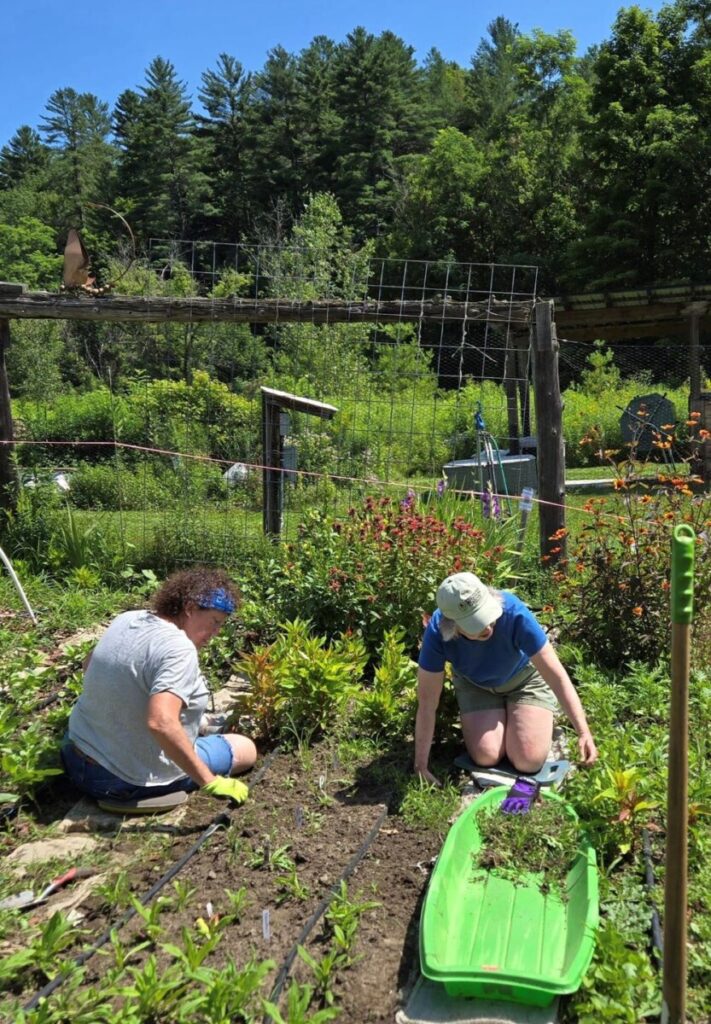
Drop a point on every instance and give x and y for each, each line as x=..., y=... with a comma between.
x=526, y=687
x=98, y=782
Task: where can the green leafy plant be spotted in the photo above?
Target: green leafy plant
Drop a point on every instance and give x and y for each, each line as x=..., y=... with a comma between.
x=297, y=1010
x=620, y=986
x=324, y=970
x=387, y=707
x=150, y=915
x=343, y=919
x=270, y=857
x=291, y=887
x=302, y=684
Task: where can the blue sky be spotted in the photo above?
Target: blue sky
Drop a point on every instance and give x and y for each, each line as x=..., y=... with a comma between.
x=105, y=47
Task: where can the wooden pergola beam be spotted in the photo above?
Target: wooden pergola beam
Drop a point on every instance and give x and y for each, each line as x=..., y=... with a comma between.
x=160, y=309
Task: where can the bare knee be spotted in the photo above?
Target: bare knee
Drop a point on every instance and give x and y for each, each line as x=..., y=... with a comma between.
x=244, y=752
x=525, y=765
x=526, y=757
x=486, y=751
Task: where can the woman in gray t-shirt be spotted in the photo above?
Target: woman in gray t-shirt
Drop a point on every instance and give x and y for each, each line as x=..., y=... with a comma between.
x=133, y=732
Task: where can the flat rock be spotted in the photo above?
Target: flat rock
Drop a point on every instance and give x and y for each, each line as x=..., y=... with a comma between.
x=50, y=849
x=86, y=816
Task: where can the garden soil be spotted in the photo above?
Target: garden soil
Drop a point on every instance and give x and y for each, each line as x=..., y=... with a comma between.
x=319, y=813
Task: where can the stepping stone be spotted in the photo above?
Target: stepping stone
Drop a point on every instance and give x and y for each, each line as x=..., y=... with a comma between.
x=146, y=805
x=430, y=1004
x=50, y=849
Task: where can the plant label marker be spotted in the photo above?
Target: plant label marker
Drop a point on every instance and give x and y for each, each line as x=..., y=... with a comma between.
x=675, y=884
x=266, y=926
x=299, y=816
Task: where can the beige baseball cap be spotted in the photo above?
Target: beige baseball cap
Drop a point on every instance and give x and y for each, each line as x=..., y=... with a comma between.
x=468, y=602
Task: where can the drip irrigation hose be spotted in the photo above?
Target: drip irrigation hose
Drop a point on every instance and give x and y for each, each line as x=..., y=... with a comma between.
x=221, y=820
x=323, y=906
x=649, y=881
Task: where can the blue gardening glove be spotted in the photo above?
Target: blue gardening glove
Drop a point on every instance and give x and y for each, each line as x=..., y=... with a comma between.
x=227, y=789
x=520, y=797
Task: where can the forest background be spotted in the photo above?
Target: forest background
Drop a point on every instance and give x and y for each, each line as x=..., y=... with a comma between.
x=595, y=168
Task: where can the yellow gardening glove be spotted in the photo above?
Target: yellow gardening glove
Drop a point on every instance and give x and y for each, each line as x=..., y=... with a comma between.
x=227, y=789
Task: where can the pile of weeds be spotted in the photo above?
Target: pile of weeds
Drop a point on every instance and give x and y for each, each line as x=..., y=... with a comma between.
x=543, y=842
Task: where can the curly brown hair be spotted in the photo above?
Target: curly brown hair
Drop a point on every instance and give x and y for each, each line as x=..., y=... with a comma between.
x=190, y=585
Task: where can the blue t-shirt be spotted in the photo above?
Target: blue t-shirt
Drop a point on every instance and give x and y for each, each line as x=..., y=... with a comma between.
x=516, y=638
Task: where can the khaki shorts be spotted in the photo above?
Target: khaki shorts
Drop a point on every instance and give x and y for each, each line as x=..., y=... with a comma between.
x=526, y=687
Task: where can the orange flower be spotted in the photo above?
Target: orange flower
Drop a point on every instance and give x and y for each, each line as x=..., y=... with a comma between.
x=639, y=610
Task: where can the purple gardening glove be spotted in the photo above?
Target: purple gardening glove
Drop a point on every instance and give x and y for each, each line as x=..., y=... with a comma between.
x=520, y=797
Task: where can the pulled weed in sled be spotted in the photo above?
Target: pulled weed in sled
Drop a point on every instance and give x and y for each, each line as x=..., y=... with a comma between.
x=544, y=840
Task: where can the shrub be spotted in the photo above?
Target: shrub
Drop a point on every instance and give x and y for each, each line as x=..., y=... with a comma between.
x=111, y=486
x=301, y=683
x=380, y=566
x=96, y=415
x=613, y=590
x=28, y=530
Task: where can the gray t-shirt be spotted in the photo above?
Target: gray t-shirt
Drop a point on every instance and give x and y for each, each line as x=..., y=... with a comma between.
x=139, y=654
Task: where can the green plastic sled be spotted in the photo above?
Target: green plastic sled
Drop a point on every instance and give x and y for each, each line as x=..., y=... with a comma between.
x=484, y=936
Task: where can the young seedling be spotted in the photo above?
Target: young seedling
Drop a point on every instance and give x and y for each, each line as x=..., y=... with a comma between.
x=184, y=892
x=271, y=858
x=150, y=915
x=291, y=888
x=298, y=1001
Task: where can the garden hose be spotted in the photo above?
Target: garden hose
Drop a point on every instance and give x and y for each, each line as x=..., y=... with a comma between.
x=650, y=881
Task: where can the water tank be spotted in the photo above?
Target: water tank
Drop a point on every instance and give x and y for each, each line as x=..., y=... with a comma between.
x=514, y=473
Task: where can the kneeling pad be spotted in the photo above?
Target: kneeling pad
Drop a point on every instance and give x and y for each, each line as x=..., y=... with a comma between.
x=145, y=805
x=551, y=774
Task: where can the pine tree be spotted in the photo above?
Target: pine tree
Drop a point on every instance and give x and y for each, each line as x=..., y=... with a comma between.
x=160, y=163
x=23, y=156
x=225, y=95
x=276, y=169
x=380, y=99
x=76, y=127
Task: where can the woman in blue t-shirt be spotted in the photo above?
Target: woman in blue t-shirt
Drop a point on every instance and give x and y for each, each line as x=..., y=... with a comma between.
x=506, y=677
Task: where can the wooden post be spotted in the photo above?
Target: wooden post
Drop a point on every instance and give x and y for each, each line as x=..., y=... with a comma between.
x=694, y=311
x=549, y=416
x=511, y=394
x=271, y=473
x=273, y=404
x=522, y=343
x=8, y=475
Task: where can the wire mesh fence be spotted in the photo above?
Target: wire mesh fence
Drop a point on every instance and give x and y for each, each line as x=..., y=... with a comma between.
x=163, y=437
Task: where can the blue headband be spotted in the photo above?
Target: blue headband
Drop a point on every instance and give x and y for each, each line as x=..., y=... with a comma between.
x=218, y=599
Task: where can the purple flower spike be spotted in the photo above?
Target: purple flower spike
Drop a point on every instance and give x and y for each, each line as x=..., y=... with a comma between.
x=441, y=487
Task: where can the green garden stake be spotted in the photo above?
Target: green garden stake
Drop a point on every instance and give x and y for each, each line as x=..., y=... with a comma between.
x=675, y=886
